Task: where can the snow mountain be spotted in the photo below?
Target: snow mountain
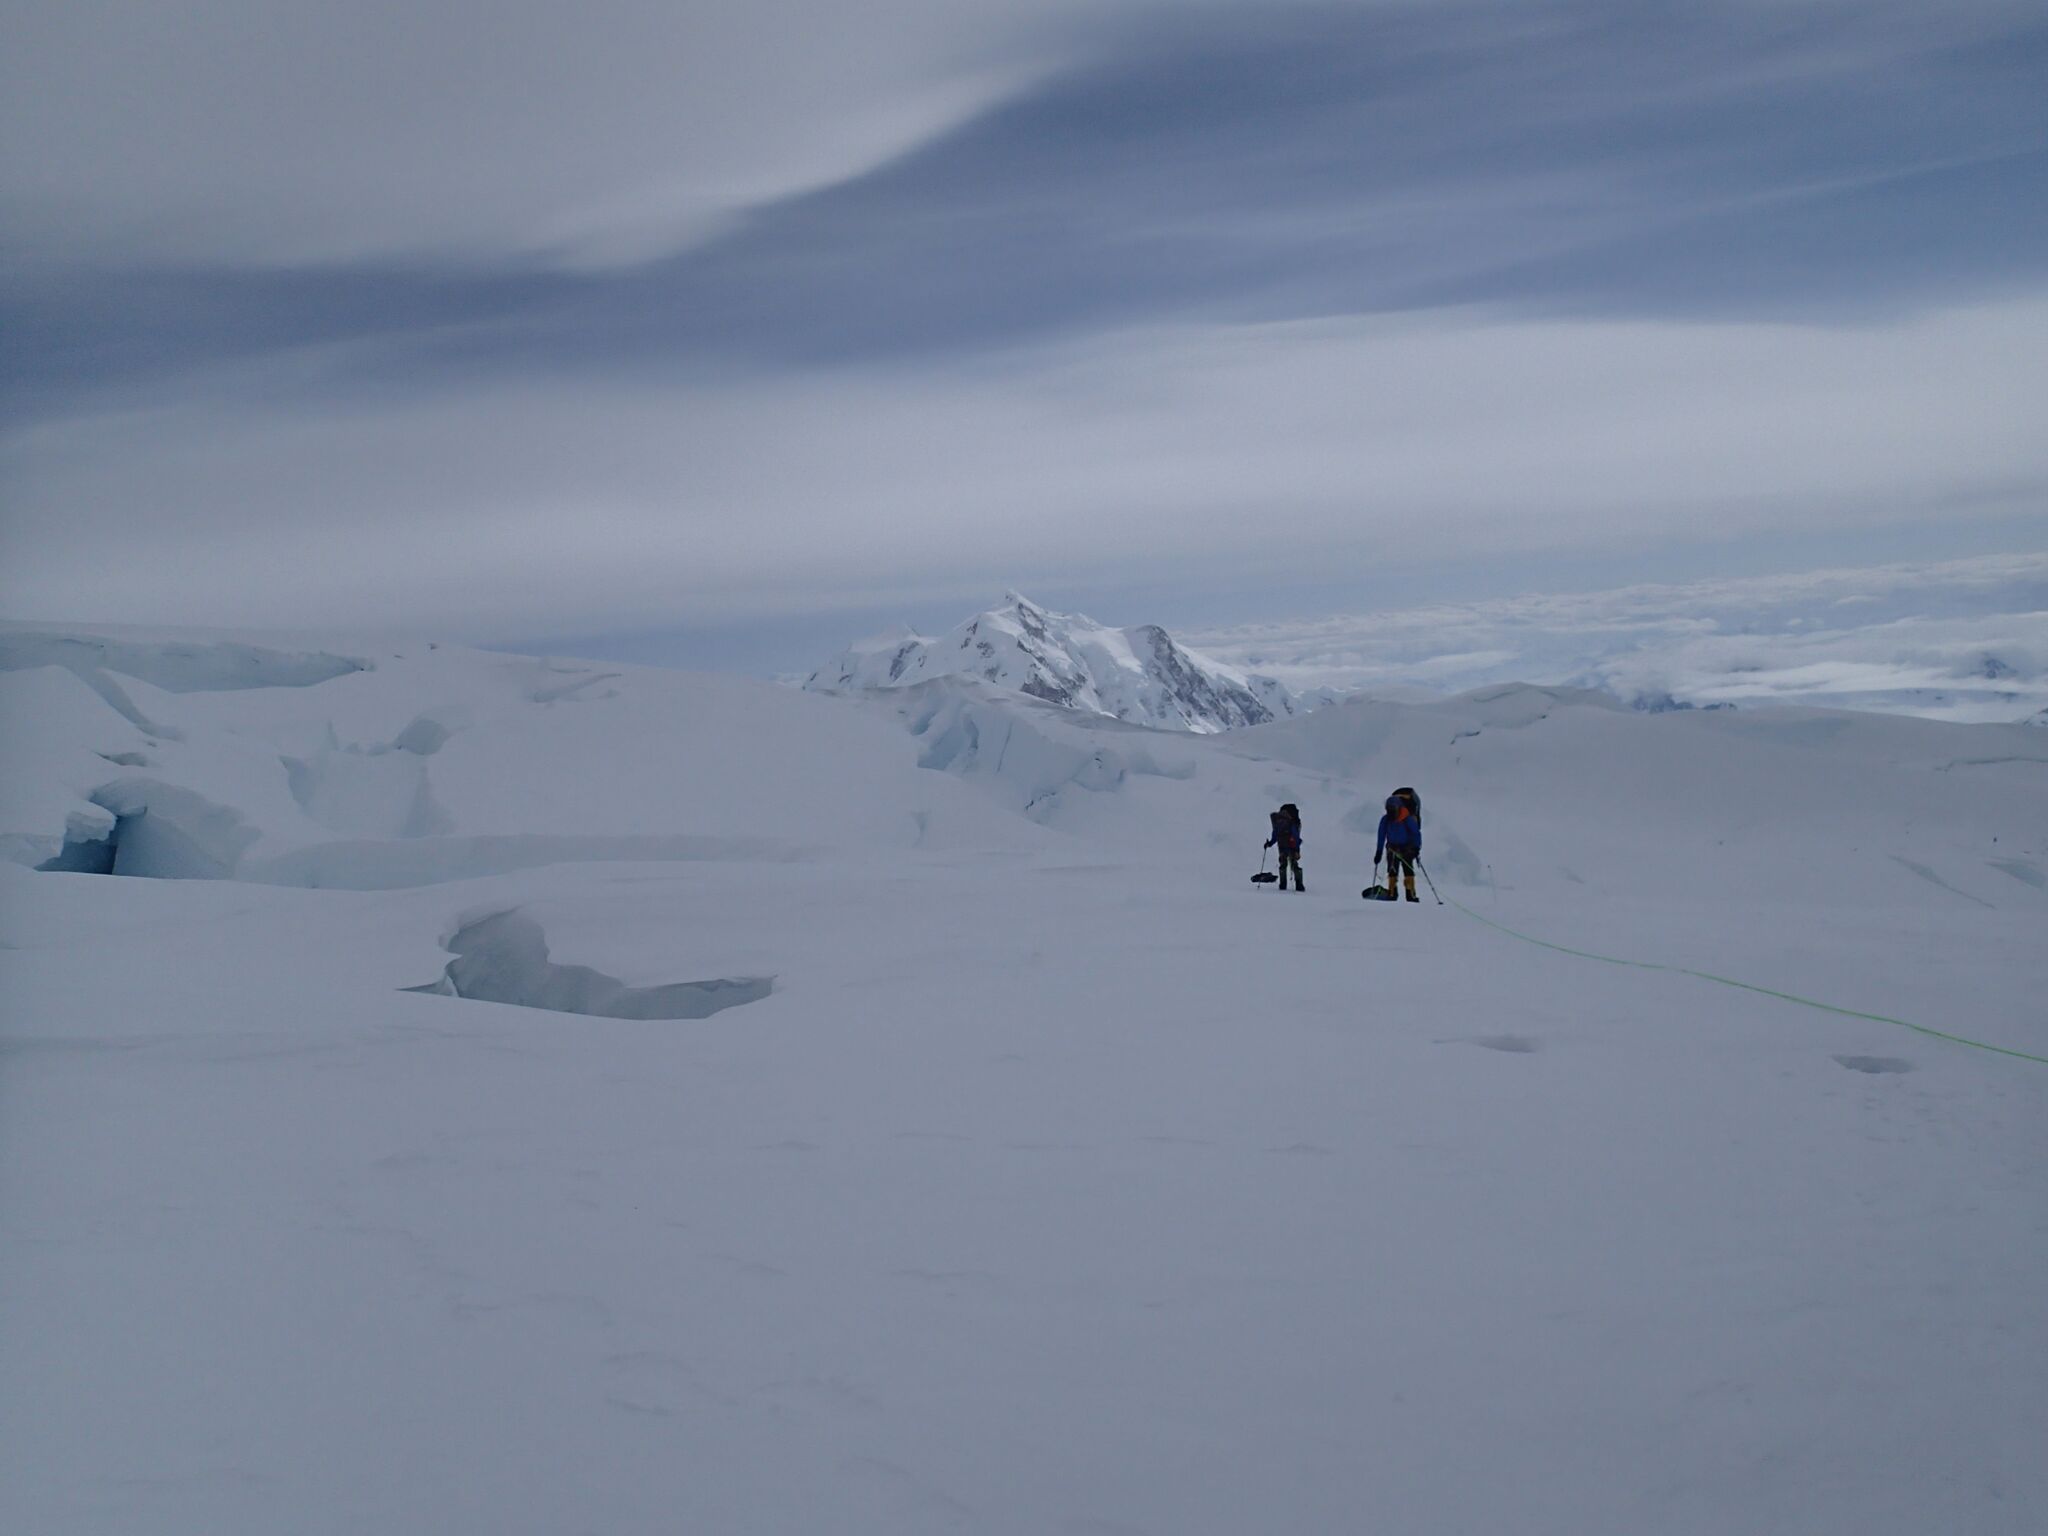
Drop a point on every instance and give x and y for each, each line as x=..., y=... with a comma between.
x=1140, y=675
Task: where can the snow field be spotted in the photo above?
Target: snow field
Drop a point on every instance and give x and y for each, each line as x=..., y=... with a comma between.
x=1064, y=1180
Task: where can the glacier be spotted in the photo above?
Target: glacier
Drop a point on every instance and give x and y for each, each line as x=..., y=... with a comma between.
x=482, y=1092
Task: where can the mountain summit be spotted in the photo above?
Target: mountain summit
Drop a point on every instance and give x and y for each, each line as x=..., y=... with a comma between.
x=1141, y=675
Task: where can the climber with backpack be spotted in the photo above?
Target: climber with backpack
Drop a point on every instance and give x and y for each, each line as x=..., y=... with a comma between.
x=1287, y=838
x=1400, y=840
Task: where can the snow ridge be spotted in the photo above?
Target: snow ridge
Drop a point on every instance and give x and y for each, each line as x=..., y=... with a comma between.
x=1140, y=675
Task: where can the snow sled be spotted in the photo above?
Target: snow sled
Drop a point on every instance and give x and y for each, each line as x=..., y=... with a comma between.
x=1264, y=877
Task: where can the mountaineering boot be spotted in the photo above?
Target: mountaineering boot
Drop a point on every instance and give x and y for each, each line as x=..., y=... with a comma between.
x=1413, y=897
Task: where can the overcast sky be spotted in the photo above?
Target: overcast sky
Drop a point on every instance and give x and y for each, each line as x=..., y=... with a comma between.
x=721, y=331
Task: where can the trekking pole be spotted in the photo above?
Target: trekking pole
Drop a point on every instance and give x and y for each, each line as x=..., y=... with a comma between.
x=1432, y=884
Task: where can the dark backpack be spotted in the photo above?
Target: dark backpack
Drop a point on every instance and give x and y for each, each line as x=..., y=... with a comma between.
x=1409, y=798
x=1287, y=829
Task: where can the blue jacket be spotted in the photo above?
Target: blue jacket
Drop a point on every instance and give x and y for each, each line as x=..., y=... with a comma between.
x=1404, y=835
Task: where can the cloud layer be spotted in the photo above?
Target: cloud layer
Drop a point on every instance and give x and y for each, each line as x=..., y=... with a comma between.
x=798, y=183
x=1347, y=445
x=1957, y=640
x=519, y=319
x=254, y=133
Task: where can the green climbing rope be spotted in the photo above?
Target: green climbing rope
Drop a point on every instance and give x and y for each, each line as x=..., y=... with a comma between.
x=1750, y=986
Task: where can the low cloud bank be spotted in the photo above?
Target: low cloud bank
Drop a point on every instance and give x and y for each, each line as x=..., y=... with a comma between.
x=1960, y=640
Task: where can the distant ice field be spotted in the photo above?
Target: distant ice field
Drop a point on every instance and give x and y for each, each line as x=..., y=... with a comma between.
x=1962, y=640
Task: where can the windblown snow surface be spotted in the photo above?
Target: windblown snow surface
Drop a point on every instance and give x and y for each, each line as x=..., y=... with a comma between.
x=445, y=1092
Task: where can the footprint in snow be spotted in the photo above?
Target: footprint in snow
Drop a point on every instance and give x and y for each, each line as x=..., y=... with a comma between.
x=1516, y=1045
x=1875, y=1063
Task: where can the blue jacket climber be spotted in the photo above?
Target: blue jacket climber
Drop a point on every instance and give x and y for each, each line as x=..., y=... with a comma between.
x=1400, y=828
x=1400, y=840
